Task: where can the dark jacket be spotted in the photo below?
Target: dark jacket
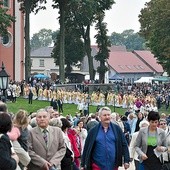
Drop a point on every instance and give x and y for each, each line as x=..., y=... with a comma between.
x=121, y=147
x=6, y=162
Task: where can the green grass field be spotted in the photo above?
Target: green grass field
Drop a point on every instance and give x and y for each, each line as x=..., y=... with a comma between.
x=68, y=108
x=22, y=103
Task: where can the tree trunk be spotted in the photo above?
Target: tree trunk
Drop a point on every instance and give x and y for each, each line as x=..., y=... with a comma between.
x=88, y=53
x=62, y=42
x=27, y=41
x=102, y=74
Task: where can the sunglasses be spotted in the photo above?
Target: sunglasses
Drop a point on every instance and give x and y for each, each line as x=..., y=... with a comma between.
x=162, y=123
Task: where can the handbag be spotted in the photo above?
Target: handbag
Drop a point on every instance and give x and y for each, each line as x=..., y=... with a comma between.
x=166, y=165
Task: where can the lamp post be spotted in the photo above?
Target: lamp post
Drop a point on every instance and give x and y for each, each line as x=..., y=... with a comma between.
x=4, y=80
x=114, y=100
x=88, y=102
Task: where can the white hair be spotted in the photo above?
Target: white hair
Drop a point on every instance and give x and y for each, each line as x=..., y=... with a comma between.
x=104, y=108
x=143, y=122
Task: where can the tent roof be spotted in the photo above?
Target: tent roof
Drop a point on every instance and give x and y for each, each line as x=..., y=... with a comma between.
x=162, y=78
x=144, y=80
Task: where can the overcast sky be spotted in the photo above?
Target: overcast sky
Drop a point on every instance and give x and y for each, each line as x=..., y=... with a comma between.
x=122, y=16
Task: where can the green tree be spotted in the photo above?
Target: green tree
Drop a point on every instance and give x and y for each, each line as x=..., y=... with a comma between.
x=28, y=6
x=103, y=44
x=41, y=39
x=116, y=39
x=5, y=20
x=74, y=50
x=62, y=6
x=83, y=15
x=128, y=38
x=155, y=27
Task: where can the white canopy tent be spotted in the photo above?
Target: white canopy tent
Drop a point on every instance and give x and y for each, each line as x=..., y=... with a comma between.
x=144, y=80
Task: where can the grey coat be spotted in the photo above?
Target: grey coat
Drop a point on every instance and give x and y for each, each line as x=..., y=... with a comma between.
x=141, y=141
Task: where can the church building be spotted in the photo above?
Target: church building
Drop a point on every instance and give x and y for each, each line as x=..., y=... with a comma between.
x=12, y=44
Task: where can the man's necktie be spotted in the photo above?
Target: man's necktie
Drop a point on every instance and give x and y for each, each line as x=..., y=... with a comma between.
x=45, y=135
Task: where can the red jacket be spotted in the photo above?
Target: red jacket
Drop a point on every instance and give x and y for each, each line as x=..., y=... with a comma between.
x=76, y=147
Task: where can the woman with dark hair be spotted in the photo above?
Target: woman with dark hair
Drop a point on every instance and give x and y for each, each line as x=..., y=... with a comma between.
x=150, y=143
x=67, y=161
x=8, y=160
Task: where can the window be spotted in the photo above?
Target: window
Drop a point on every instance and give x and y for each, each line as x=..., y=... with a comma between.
x=129, y=67
x=41, y=63
x=121, y=67
x=141, y=67
x=7, y=40
x=6, y=3
x=137, y=67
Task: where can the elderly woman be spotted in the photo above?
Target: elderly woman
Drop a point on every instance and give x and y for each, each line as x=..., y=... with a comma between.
x=8, y=160
x=150, y=143
x=133, y=154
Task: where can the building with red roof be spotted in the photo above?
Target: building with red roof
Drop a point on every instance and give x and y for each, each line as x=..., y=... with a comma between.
x=133, y=65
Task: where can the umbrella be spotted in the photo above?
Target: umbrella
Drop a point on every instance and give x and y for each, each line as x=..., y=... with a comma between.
x=41, y=76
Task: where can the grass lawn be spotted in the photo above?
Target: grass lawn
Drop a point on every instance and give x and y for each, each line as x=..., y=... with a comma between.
x=68, y=108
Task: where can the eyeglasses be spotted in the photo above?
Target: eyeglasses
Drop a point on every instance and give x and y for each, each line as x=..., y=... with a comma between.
x=162, y=123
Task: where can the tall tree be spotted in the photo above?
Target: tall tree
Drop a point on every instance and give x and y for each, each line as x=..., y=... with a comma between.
x=41, y=39
x=74, y=50
x=128, y=38
x=103, y=44
x=83, y=15
x=5, y=19
x=62, y=5
x=28, y=6
x=154, y=19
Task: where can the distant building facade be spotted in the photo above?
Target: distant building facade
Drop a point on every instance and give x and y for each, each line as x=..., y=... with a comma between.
x=129, y=65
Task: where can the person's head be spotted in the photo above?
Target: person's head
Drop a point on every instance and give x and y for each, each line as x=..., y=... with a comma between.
x=140, y=115
x=42, y=118
x=163, y=124
x=50, y=110
x=153, y=118
x=33, y=122
x=55, y=122
x=3, y=107
x=80, y=123
x=93, y=116
x=143, y=123
x=65, y=124
x=54, y=114
x=163, y=116
x=131, y=116
x=113, y=116
x=21, y=119
x=105, y=115
x=5, y=122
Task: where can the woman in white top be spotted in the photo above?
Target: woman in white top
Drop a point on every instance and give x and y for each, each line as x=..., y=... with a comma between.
x=133, y=154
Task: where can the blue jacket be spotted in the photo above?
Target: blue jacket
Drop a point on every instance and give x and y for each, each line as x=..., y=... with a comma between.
x=122, y=150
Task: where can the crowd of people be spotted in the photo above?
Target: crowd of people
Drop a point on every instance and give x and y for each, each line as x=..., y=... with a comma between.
x=145, y=96
x=104, y=140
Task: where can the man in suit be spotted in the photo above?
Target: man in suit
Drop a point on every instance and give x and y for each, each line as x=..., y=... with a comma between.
x=60, y=105
x=46, y=144
x=30, y=96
